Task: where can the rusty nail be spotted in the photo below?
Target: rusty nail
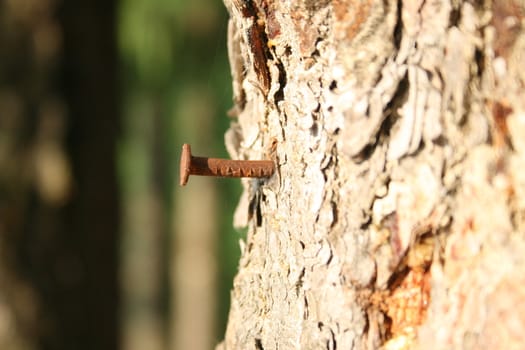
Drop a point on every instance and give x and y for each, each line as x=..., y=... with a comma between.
x=191, y=165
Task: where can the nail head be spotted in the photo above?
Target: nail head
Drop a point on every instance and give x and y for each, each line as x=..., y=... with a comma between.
x=185, y=161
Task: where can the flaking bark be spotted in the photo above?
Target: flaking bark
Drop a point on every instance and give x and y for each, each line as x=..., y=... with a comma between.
x=395, y=218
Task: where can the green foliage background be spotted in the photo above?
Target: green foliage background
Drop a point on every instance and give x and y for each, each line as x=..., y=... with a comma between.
x=176, y=89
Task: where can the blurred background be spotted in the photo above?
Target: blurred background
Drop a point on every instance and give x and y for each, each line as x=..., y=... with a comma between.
x=99, y=246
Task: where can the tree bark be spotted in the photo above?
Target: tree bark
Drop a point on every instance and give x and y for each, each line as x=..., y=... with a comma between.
x=396, y=216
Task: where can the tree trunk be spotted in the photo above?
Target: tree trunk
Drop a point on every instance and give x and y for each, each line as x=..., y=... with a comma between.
x=59, y=200
x=396, y=216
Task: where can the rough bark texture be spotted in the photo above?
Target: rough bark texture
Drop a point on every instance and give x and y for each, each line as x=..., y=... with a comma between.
x=396, y=217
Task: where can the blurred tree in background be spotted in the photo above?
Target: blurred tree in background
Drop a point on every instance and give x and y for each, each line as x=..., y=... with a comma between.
x=59, y=212
x=98, y=248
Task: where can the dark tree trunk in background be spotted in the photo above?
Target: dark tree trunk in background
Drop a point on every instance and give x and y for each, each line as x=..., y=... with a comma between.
x=59, y=209
x=90, y=87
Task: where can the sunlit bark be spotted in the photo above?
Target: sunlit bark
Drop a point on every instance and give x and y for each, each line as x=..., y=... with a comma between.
x=396, y=216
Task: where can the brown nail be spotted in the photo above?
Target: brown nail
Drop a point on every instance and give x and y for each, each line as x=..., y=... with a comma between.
x=190, y=165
